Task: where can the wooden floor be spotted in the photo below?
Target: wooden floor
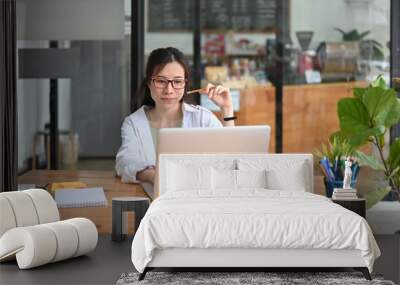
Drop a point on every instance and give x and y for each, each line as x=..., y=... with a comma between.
x=102, y=266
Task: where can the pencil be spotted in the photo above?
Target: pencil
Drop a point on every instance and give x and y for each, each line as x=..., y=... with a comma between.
x=324, y=171
x=196, y=90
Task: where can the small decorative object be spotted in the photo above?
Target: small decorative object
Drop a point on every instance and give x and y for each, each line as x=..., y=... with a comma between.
x=347, y=174
x=332, y=161
x=214, y=44
x=304, y=38
x=347, y=191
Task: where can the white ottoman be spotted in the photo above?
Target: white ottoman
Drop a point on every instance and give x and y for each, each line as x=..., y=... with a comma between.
x=31, y=232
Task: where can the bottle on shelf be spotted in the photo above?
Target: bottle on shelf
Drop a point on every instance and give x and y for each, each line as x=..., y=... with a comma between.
x=235, y=69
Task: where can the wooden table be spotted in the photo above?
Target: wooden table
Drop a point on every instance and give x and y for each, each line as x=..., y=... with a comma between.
x=112, y=185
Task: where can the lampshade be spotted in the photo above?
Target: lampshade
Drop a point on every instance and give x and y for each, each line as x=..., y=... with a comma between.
x=70, y=19
x=48, y=63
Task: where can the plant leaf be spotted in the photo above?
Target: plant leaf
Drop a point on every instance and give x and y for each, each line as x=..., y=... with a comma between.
x=338, y=134
x=362, y=137
x=373, y=197
x=376, y=43
x=357, y=139
x=363, y=34
x=359, y=92
x=394, y=154
x=393, y=114
x=378, y=103
x=340, y=31
x=394, y=172
x=377, y=53
x=353, y=116
x=369, y=160
x=379, y=82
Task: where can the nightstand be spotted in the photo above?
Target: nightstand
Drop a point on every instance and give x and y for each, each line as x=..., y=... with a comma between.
x=358, y=205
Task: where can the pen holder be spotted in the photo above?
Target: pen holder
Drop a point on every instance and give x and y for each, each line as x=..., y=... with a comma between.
x=330, y=185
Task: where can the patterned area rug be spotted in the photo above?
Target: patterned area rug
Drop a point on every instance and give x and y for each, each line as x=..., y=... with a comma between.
x=269, y=278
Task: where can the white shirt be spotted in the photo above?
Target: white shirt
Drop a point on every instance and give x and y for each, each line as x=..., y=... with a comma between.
x=137, y=150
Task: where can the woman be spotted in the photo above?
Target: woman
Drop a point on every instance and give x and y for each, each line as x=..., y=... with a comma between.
x=162, y=92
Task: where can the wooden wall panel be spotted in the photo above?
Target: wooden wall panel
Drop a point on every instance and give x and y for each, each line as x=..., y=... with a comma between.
x=310, y=114
x=257, y=107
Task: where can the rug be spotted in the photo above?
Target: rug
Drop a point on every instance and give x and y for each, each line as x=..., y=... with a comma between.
x=269, y=278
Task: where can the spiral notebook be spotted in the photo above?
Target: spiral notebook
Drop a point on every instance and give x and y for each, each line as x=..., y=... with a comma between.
x=83, y=197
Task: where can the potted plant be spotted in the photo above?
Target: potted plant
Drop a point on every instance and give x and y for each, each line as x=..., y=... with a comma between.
x=331, y=158
x=369, y=48
x=365, y=118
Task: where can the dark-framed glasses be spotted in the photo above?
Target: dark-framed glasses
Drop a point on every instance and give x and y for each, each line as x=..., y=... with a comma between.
x=161, y=83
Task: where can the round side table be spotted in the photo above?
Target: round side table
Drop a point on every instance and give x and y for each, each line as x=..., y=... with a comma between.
x=139, y=205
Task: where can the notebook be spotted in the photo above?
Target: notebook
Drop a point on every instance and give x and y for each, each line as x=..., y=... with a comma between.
x=77, y=198
x=53, y=187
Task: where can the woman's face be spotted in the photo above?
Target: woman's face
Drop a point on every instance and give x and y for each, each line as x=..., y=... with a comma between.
x=168, y=85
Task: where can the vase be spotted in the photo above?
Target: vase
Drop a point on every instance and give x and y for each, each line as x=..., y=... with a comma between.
x=391, y=196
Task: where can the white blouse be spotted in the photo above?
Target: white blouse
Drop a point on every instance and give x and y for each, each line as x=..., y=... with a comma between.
x=137, y=150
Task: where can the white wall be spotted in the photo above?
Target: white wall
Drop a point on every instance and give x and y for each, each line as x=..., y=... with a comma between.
x=322, y=16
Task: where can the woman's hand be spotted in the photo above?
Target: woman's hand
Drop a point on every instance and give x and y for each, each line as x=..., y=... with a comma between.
x=146, y=175
x=221, y=96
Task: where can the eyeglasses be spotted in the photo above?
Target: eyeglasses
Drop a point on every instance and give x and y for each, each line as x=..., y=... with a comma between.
x=162, y=83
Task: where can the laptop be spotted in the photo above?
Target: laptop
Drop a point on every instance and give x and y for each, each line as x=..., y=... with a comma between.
x=240, y=139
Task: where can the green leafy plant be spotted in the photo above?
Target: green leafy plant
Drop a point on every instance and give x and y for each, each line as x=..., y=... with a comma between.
x=352, y=35
x=365, y=118
x=336, y=148
x=365, y=44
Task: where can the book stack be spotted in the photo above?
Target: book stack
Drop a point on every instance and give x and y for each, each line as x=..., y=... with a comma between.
x=344, y=194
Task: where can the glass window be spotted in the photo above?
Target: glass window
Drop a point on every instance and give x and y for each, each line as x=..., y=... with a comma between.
x=334, y=46
x=169, y=24
x=84, y=52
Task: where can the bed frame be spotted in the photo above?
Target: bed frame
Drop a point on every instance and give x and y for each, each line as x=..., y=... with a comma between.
x=246, y=259
x=241, y=259
x=249, y=259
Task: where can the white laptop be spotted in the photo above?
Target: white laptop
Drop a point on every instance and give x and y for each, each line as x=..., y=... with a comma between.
x=241, y=139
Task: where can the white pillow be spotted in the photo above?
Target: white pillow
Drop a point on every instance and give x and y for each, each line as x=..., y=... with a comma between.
x=292, y=178
x=183, y=177
x=251, y=178
x=281, y=174
x=228, y=179
x=224, y=179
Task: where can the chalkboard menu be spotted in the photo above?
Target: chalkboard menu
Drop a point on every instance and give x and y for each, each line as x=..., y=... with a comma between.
x=246, y=15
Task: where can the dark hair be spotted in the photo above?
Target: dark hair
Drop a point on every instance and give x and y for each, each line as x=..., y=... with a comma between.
x=157, y=60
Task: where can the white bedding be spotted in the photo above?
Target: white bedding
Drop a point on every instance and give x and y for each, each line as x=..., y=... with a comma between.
x=251, y=218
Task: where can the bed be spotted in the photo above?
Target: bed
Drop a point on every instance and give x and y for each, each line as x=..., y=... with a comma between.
x=247, y=210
